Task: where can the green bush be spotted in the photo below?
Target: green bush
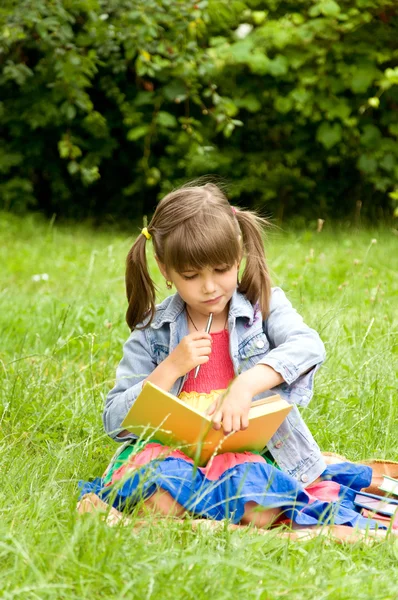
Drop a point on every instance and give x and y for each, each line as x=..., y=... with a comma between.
x=107, y=104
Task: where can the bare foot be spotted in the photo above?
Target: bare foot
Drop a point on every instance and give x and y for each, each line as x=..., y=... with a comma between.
x=92, y=503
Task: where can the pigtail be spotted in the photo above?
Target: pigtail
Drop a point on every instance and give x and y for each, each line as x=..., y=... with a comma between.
x=140, y=288
x=256, y=281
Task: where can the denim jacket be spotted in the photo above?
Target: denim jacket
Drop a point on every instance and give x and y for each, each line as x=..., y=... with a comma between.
x=282, y=341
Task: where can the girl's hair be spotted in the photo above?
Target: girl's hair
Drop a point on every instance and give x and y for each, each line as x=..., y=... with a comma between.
x=192, y=228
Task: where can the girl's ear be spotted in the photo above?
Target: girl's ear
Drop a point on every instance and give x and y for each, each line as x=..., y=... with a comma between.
x=162, y=268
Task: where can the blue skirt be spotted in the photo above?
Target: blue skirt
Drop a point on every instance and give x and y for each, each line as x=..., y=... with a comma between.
x=223, y=495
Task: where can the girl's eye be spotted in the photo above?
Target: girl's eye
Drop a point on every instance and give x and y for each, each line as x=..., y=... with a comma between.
x=216, y=269
x=188, y=277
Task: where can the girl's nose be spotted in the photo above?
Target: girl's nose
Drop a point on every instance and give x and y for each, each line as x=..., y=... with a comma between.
x=208, y=285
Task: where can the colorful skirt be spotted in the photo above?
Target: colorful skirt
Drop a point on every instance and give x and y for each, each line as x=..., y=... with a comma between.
x=222, y=488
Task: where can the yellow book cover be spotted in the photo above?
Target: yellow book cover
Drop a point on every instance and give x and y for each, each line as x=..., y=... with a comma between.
x=161, y=415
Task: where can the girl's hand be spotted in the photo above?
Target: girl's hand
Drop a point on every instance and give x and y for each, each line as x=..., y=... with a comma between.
x=193, y=350
x=231, y=410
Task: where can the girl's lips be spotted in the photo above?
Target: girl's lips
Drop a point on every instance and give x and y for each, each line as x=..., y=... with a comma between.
x=213, y=301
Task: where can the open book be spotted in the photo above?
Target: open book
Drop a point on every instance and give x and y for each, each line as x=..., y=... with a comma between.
x=159, y=415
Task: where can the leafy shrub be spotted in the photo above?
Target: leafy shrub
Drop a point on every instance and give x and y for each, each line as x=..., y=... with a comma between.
x=107, y=104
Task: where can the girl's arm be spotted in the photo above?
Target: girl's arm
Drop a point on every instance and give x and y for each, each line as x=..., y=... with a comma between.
x=232, y=411
x=296, y=350
x=138, y=366
x=260, y=378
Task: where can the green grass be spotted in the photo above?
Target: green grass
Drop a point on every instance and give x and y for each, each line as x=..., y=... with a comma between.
x=60, y=342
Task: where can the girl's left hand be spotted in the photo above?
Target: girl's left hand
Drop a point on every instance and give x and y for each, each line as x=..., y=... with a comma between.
x=231, y=410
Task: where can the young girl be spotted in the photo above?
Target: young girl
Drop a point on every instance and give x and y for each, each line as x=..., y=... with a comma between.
x=258, y=345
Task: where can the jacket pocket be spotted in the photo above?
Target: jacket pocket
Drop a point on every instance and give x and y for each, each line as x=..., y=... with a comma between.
x=252, y=350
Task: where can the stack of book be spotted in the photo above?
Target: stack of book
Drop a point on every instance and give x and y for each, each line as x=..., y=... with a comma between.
x=383, y=508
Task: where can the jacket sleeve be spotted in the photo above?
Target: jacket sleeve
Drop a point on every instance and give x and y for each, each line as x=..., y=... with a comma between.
x=137, y=363
x=296, y=349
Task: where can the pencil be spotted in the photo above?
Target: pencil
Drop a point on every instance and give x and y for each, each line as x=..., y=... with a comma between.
x=208, y=326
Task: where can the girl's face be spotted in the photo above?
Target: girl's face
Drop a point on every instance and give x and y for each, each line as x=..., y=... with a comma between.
x=207, y=290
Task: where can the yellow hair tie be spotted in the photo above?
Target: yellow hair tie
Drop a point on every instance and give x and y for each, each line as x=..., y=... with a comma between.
x=146, y=233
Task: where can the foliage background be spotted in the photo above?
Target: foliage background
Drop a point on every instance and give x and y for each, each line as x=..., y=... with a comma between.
x=107, y=104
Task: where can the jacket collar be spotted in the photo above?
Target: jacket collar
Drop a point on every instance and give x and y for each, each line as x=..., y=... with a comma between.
x=171, y=308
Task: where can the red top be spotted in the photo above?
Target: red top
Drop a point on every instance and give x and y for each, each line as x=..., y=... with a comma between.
x=218, y=372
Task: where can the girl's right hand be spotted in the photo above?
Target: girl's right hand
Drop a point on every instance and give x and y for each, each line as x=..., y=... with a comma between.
x=193, y=350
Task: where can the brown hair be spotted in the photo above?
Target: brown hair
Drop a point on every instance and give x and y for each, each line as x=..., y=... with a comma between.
x=192, y=228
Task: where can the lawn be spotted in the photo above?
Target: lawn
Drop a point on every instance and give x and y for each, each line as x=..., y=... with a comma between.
x=62, y=305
